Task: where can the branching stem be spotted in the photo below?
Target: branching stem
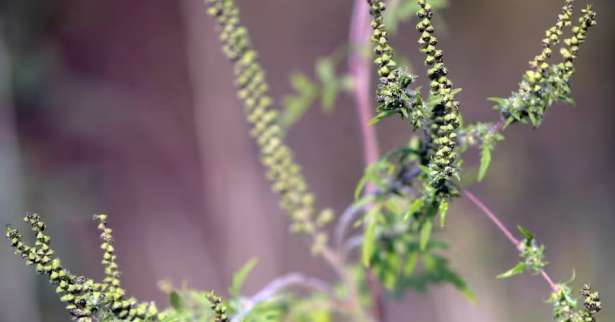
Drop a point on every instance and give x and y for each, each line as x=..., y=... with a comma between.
x=494, y=218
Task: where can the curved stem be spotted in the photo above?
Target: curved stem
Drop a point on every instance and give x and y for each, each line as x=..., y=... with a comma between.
x=276, y=286
x=494, y=218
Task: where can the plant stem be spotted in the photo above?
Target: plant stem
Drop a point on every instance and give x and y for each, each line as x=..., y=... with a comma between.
x=275, y=287
x=360, y=70
x=494, y=218
x=480, y=205
x=348, y=279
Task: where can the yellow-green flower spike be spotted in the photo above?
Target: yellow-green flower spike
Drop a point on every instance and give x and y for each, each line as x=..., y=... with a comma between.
x=579, y=35
x=218, y=307
x=445, y=118
x=591, y=302
x=565, y=304
x=546, y=83
x=394, y=95
x=109, y=260
x=553, y=36
x=85, y=299
x=383, y=52
x=283, y=172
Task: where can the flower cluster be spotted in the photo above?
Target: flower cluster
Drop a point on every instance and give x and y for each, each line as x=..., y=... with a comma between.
x=532, y=256
x=218, y=308
x=283, y=171
x=394, y=94
x=445, y=118
x=85, y=299
x=565, y=306
x=544, y=84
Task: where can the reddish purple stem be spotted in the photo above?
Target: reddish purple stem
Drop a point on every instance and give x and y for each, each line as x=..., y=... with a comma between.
x=480, y=205
x=492, y=216
x=360, y=69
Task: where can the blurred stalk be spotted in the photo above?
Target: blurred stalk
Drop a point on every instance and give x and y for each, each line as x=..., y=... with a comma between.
x=19, y=301
x=360, y=69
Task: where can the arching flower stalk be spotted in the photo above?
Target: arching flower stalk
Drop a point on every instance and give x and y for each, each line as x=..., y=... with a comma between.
x=283, y=172
x=86, y=300
x=545, y=83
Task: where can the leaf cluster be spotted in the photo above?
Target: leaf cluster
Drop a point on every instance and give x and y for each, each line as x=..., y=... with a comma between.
x=532, y=256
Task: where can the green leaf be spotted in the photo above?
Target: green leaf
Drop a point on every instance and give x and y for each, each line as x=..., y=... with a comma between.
x=443, y=209
x=327, y=99
x=176, y=301
x=516, y=270
x=379, y=117
x=469, y=294
x=413, y=259
x=425, y=235
x=368, y=176
x=499, y=101
x=485, y=161
x=456, y=91
x=369, y=238
x=415, y=206
x=301, y=83
x=240, y=276
x=325, y=69
x=296, y=105
x=525, y=233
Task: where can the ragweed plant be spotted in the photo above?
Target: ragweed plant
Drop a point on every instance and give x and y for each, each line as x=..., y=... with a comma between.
x=387, y=237
x=86, y=300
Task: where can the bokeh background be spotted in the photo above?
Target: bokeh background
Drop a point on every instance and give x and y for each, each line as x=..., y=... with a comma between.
x=127, y=107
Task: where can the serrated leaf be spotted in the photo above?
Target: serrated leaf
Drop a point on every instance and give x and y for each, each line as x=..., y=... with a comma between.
x=443, y=209
x=425, y=235
x=516, y=270
x=296, y=105
x=240, y=276
x=485, y=161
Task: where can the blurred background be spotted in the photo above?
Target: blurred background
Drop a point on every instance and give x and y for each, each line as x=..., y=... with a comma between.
x=127, y=107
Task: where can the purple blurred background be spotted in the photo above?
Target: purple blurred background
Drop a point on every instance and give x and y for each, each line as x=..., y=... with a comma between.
x=127, y=107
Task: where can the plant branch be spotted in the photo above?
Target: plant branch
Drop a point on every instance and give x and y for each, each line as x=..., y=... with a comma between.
x=360, y=69
x=494, y=218
x=276, y=286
